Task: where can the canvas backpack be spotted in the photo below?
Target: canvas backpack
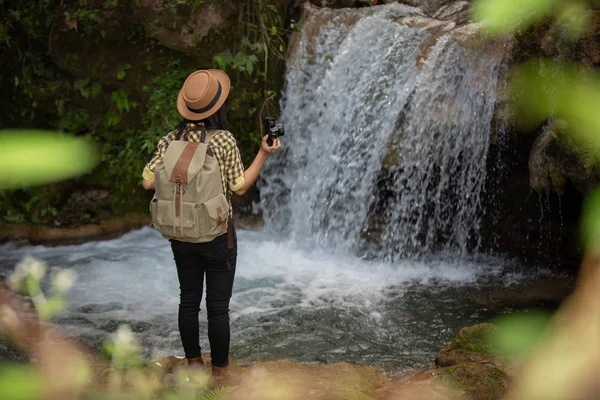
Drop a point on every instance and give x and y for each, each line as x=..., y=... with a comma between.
x=189, y=204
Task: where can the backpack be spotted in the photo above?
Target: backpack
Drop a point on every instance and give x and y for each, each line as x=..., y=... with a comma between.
x=189, y=204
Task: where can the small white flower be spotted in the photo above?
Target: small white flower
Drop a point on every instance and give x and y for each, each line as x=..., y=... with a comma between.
x=27, y=267
x=63, y=279
x=15, y=280
x=35, y=268
x=125, y=343
x=124, y=335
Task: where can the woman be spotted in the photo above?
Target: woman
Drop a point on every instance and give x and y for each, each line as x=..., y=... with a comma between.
x=201, y=102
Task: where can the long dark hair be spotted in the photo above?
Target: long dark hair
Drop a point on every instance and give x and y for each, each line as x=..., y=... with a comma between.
x=217, y=121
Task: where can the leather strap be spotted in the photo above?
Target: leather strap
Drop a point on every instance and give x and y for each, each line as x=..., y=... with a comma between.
x=177, y=200
x=181, y=167
x=229, y=225
x=203, y=134
x=230, y=234
x=223, y=219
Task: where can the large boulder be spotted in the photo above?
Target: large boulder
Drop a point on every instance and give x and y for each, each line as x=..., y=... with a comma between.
x=185, y=28
x=471, y=345
x=478, y=381
x=466, y=369
x=430, y=7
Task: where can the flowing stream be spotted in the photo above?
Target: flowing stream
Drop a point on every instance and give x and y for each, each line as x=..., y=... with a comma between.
x=288, y=303
x=346, y=268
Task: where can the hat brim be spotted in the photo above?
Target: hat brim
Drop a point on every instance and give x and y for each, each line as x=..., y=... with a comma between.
x=186, y=113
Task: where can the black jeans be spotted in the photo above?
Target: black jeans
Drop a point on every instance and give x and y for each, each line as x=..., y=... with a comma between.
x=217, y=261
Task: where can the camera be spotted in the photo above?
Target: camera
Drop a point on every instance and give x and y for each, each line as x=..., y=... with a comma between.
x=273, y=129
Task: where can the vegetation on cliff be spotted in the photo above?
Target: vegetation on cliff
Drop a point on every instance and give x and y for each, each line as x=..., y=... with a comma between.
x=110, y=70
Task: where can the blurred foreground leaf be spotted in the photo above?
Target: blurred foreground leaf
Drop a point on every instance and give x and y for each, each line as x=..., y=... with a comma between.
x=518, y=333
x=548, y=89
x=33, y=157
x=590, y=222
x=504, y=16
x=20, y=383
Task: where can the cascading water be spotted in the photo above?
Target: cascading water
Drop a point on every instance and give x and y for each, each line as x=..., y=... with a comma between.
x=359, y=96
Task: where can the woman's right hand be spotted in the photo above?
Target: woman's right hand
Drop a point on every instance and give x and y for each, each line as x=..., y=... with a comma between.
x=268, y=150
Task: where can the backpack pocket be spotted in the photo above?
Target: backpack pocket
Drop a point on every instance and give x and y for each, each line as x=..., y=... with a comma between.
x=216, y=213
x=166, y=220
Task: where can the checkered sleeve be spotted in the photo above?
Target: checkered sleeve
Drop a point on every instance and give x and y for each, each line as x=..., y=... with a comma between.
x=235, y=169
x=161, y=147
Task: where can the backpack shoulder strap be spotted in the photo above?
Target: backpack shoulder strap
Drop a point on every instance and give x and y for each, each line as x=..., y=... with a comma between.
x=180, y=171
x=183, y=159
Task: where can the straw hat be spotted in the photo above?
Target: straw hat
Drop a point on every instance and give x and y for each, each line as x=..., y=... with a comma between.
x=203, y=93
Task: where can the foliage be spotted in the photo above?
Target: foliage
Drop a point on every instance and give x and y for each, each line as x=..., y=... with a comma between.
x=261, y=45
x=549, y=89
x=218, y=394
x=546, y=88
x=27, y=278
x=518, y=333
x=35, y=157
x=124, y=114
x=503, y=16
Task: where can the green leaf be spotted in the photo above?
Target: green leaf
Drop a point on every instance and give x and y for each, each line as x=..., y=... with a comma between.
x=223, y=60
x=518, y=333
x=30, y=157
x=249, y=66
x=546, y=88
x=273, y=31
x=18, y=382
x=504, y=16
x=16, y=81
x=590, y=225
x=96, y=89
x=221, y=393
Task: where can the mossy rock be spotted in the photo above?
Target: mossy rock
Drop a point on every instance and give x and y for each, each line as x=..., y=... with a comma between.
x=479, y=381
x=470, y=345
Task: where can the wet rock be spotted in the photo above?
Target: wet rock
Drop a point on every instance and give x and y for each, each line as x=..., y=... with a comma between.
x=108, y=229
x=554, y=160
x=543, y=293
x=467, y=369
x=470, y=345
x=431, y=7
x=458, y=11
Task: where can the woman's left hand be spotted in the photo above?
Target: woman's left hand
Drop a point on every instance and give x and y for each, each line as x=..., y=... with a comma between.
x=268, y=150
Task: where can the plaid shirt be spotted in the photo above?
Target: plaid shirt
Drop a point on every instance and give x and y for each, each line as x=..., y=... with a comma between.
x=223, y=146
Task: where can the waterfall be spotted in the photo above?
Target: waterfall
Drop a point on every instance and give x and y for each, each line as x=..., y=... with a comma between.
x=387, y=117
